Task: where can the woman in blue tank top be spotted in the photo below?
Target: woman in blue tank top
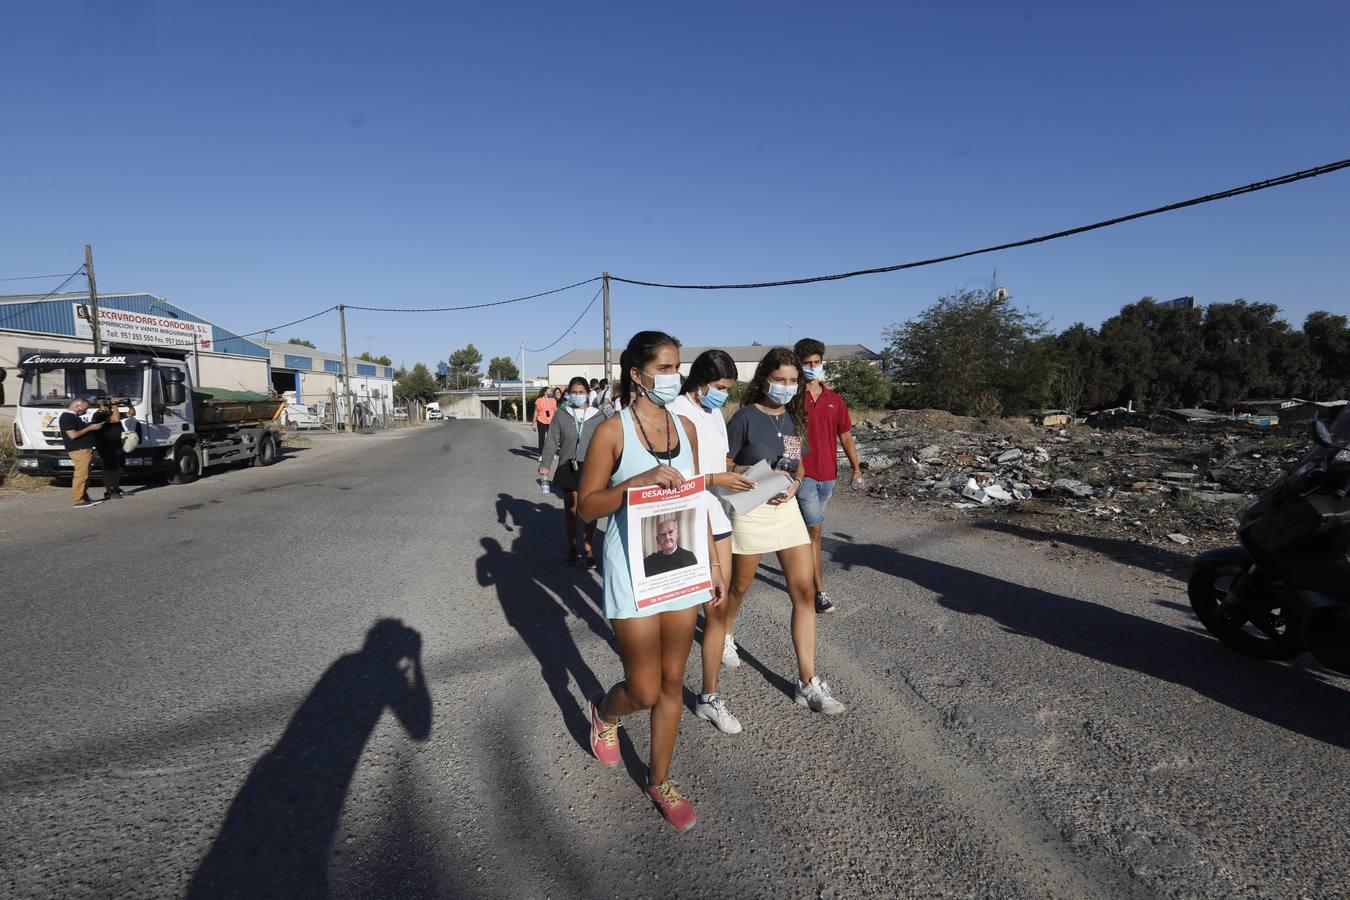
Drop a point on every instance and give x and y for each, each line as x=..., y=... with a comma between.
x=644, y=445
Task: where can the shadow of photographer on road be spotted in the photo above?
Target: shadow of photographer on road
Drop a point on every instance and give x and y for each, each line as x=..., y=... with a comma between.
x=277, y=835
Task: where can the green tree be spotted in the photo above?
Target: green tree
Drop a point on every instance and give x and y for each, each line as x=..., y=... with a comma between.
x=968, y=347
x=1328, y=339
x=301, y=342
x=378, y=360
x=859, y=382
x=464, y=364
x=419, y=384
x=503, y=368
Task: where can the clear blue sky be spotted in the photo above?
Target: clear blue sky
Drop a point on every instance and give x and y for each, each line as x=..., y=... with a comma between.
x=255, y=162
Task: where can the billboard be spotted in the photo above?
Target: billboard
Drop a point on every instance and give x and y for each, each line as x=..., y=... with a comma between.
x=126, y=327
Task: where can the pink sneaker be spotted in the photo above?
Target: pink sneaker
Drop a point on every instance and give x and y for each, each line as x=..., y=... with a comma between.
x=604, y=736
x=676, y=808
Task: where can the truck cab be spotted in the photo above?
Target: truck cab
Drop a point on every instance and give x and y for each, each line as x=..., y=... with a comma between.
x=181, y=432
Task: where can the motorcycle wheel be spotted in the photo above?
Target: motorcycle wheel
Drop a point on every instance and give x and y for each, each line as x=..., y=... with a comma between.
x=1264, y=634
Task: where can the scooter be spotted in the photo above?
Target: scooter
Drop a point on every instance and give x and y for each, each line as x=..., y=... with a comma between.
x=1286, y=589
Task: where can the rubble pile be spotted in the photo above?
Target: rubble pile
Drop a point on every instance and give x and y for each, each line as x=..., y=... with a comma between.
x=1174, y=487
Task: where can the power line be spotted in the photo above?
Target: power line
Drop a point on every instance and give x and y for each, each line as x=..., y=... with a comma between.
x=569, y=327
x=29, y=303
x=32, y=277
x=1195, y=201
x=472, y=305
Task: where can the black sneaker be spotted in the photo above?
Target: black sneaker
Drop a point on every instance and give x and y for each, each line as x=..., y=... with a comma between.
x=112, y=495
x=591, y=562
x=85, y=504
x=823, y=604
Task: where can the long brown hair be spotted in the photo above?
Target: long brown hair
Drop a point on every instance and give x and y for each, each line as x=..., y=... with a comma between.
x=758, y=389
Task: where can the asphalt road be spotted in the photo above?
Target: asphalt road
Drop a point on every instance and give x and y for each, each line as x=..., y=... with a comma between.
x=192, y=706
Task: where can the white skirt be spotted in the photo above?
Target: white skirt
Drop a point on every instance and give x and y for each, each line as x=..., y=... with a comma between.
x=768, y=528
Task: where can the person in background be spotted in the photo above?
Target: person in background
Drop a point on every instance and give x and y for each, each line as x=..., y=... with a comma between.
x=711, y=378
x=644, y=445
x=544, y=408
x=769, y=428
x=827, y=425
x=108, y=443
x=568, y=438
x=594, y=392
x=78, y=439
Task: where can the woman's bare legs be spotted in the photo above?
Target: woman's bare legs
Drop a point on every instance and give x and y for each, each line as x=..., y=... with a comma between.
x=655, y=650
x=716, y=624
x=799, y=572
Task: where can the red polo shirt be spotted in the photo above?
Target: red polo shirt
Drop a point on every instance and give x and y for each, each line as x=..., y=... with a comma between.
x=826, y=419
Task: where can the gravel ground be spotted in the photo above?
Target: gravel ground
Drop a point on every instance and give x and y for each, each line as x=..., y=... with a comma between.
x=190, y=709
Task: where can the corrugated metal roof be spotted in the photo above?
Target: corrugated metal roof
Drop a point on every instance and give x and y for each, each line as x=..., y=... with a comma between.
x=56, y=315
x=751, y=354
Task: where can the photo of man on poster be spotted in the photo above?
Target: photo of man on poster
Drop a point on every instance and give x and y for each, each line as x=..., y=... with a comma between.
x=666, y=553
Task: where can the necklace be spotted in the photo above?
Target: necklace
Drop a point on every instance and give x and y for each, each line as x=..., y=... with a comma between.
x=651, y=445
x=777, y=420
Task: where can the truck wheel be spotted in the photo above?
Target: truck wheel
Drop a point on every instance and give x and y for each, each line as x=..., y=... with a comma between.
x=267, y=451
x=187, y=467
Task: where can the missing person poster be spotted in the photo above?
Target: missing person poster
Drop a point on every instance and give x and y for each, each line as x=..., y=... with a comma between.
x=668, y=542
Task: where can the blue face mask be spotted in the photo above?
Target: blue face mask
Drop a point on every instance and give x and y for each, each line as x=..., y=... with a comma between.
x=781, y=394
x=664, y=389
x=577, y=400
x=713, y=399
x=813, y=373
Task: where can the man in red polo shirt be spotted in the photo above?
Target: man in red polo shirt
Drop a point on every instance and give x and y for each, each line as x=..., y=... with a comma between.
x=827, y=425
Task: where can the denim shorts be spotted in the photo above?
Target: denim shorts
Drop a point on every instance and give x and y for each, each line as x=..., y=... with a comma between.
x=813, y=496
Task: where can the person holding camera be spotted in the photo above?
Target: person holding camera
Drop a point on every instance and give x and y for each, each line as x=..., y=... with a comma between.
x=108, y=443
x=78, y=439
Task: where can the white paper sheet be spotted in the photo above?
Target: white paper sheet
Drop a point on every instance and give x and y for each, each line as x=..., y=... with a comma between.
x=768, y=484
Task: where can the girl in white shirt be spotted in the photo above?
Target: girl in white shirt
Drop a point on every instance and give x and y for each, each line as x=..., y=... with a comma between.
x=710, y=380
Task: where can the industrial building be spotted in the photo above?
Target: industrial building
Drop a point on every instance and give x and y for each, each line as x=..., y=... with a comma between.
x=313, y=374
x=129, y=323
x=590, y=364
x=145, y=323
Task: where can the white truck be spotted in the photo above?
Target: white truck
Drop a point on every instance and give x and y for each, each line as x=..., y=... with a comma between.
x=433, y=411
x=181, y=432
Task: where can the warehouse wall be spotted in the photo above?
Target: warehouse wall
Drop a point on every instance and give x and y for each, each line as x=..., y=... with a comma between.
x=234, y=373
x=10, y=342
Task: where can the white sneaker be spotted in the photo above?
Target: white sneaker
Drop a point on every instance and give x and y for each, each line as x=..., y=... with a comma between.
x=816, y=695
x=730, y=658
x=714, y=709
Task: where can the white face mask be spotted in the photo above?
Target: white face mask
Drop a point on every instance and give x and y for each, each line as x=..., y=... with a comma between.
x=664, y=389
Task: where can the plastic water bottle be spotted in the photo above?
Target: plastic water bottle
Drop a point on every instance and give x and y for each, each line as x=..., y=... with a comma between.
x=544, y=486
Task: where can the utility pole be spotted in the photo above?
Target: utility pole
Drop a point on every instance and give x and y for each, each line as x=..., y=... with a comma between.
x=609, y=372
x=346, y=375
x=522, y=383
x=93, y=299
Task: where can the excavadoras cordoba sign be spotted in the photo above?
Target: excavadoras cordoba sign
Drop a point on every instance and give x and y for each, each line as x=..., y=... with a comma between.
x=140, y=328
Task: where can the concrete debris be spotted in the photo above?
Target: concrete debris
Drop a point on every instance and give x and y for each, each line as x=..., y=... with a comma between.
x=1179, y=539
x=1117, y=479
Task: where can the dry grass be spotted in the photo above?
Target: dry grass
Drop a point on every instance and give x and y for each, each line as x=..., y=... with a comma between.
x=11, y=479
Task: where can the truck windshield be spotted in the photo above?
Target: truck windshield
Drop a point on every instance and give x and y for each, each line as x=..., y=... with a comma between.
x=57, y=387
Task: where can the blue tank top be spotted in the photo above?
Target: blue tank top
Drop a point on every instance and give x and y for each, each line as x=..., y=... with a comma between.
x=634, y=460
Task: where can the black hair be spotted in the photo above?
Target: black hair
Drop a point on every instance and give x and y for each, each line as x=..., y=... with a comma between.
x=758, y=389
x=585, y=386
x=808, y=347
x=641, y=350
x=709, y=366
